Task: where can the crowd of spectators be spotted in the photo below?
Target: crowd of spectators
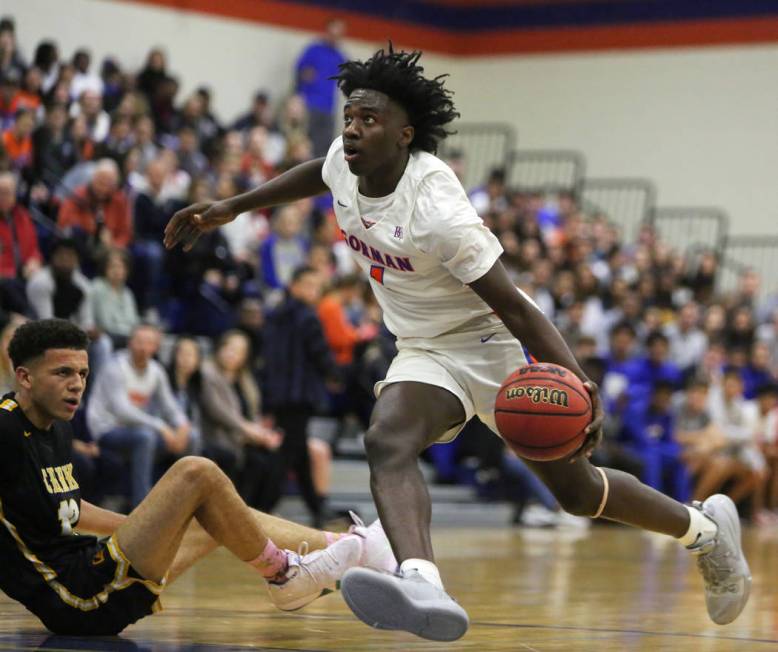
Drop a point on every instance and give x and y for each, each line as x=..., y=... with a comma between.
x=271, y=326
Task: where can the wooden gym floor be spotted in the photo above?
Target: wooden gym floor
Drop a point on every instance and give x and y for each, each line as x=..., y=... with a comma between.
x=611, y=588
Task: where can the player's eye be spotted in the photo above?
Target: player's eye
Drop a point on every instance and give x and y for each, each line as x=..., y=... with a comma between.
x=346, y=120
x=369, y=120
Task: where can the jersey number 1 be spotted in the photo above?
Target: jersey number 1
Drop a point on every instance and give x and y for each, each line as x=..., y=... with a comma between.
x=68, y=516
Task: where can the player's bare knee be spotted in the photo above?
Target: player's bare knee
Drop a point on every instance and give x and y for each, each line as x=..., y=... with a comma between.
x=388, y=449
x=196, y=472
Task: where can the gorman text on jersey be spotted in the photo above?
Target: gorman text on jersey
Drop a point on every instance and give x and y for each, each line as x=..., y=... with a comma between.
x=398, y=263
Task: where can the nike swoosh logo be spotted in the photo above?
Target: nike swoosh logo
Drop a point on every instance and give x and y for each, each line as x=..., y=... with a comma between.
x=487, y=337
x=340, y=203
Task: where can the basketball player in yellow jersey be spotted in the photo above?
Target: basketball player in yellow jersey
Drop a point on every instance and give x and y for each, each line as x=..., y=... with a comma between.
x=83, y=585
x=436, y=273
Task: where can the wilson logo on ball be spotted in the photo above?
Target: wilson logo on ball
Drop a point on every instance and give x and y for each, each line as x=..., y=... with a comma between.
x=537, y=368
x=539, y=395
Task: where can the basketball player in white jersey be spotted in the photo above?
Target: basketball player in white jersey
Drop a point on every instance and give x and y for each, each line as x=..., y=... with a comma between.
x=436, y=273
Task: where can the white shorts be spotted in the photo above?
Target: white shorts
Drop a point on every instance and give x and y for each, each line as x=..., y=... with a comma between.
x=471, y=365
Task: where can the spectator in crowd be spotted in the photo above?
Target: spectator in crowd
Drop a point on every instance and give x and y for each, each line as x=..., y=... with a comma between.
x=259, y=115
x=649, y=430
x=17, y=140
x=151, y=214
x=491, y=197
x=298, y=363
x=285, y=249
x=758, y=371
x=695, y=430
x=99, y=212
x=60, y=289
x=236, y=436
x=768, y=333
x=7, y=371
x=741, y=330
x=190, y=157
x=133, y=411
x=90, y=107
x=9, y=98
x=315, y=70
x=84, y=80
x=645, y=372
x=20, y=257
x=46, y=59
x=766, y=432
x=741, y=461
x=30, y=93
x=153, y=73
x=145, y=141
x=113, y=305
x=688, y=342
x=11, y=60
x=185, y=376
x=113, y=84
x=342, y=336
x=54, y=152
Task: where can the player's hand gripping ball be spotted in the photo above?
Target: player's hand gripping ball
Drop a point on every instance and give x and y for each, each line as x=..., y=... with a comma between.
x=542, y=411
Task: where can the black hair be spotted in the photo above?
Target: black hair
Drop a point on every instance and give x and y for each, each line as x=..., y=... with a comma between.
x=656, y=336
x=625, y=327
x=64, y=243
x=399, y=75
x=300, y=272
x=34, y=338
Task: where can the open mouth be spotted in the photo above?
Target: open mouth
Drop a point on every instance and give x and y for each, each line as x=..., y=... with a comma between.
x=350, y=153
x=72, y=403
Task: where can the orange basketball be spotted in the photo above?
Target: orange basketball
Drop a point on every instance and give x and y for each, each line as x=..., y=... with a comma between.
x=542, y=411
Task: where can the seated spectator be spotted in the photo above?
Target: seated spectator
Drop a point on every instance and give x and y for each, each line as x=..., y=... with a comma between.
x=54, y=151
x=9, y=98
x=154, y=73
x=236, y=436
x=766, y=436
x=645, y=372
x=132, y=410
x=60, y=289
x=757, y=372
x=186, y=382
x=90, y=108
x=740, y=462
x=99, y=211
x=695, y=430
x=190, y=158
x=118, y=143
x=10, y=57
x=768, y=333
x=298, y=362
x=113, y=84
x=260, y=114
x=741, y=330
x=113, y=304
x=20, y=257
x=30, y=93
x=151, y=214
x=285, y=249
x=145, y=141
x=84, y=80
x=7, y=371
x=649, y=432
x=687, y=340
x=47, y=59
x=17, y=141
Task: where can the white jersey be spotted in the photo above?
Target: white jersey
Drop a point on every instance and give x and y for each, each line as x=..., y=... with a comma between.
x=420, y=246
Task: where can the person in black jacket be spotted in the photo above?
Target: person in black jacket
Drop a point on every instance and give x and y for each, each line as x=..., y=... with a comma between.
x=298, y=363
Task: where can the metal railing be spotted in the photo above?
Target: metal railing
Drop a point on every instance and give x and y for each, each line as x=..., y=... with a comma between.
x=689, y=227
x=484, y=145
x=626, y=202
x=749, y=252
x=546, y=170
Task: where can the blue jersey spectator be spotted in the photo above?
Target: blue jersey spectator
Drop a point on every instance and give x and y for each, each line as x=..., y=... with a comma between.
x=318, y=62
x=644, y=373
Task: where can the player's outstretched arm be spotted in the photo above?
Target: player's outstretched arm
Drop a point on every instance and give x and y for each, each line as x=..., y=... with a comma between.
x=189, y=223
x=528, y=323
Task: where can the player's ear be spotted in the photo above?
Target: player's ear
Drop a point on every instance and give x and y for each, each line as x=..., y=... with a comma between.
x=406, y=136
x=23, y=377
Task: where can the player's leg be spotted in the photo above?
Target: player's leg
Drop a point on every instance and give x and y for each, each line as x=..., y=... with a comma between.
x=197, y=488
x=197, y=543
x=712, y=530
x=406, y=419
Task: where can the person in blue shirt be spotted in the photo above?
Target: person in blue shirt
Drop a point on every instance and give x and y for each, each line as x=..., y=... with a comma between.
x=645, y=373
x=315, y=68
x=649, y=433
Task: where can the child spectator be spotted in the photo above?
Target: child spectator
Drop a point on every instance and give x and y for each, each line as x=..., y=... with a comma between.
x=113, y=304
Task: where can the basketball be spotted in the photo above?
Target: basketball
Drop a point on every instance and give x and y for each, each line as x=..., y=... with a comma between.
x=542, y=411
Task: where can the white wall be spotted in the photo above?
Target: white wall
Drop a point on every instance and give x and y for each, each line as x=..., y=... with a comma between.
x=702, y=123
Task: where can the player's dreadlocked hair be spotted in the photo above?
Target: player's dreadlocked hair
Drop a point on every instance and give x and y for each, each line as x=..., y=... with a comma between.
x=398, y=75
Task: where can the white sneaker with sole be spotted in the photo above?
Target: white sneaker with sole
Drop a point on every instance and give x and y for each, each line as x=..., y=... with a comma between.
x=313, y=575
x=721, y=561
x=405, y=602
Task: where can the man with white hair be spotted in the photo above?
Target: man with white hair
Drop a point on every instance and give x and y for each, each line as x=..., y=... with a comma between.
x=99, y=211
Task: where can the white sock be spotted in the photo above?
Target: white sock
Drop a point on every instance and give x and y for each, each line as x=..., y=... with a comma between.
x=425, y=568
x=701, y=529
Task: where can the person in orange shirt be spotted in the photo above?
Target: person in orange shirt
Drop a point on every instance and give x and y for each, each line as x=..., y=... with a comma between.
x=340, y=334
x=17, y=140
x=100, y=209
